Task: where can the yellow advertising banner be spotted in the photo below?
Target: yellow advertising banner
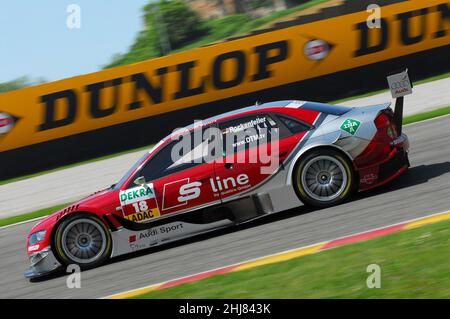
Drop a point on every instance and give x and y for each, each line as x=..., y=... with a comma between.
x=85, y=103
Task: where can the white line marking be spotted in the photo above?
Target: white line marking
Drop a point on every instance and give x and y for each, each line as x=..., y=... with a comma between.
x=279, y=253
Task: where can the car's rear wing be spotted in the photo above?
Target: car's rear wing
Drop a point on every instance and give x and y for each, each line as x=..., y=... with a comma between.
x=400, y=86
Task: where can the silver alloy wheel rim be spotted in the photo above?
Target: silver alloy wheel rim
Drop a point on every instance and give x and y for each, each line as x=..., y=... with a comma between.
x=84, y=240
x=324, y=178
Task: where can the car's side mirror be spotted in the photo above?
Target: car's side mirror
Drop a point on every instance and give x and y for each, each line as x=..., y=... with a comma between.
x=140, y=181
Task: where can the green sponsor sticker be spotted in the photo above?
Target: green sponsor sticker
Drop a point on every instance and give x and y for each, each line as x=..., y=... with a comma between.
x=137, y=193
x=350, y=126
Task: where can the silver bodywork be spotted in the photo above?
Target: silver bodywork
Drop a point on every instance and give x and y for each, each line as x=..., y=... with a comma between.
x=276, y=191
x=42, y=263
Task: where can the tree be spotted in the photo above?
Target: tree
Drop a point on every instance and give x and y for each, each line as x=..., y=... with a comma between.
x=171, y=24
x=223, y=7
x=19, y=83
x=254, y=4
x=240, y=6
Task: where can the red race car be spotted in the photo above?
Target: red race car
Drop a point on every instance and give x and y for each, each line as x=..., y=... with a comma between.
x=224, y=171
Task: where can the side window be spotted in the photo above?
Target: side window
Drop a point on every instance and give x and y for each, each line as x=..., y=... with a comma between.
x=247, y=132
x=293, y=125
x=176, y=156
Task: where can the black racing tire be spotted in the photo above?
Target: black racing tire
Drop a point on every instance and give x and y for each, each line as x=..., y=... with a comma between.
x=323, y=178
x=82, y=239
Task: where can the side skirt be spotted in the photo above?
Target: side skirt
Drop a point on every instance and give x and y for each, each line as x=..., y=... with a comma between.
x=138, y=236
x=127, y=241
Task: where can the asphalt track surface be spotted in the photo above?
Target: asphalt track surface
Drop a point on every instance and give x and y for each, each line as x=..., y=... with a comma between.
x=424, y=190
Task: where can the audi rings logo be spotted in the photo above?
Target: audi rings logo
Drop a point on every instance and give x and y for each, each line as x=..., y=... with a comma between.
x=369, y=178
x=404, y=83
x=316, y=49
x=399, y=84
x=6, y=123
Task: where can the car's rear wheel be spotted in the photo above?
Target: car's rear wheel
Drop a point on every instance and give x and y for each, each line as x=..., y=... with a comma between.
x=323, y=178
x=82, y=239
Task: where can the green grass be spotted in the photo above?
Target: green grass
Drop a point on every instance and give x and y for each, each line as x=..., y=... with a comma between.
x=24, y=217
x=414, y=264
x=426, y=115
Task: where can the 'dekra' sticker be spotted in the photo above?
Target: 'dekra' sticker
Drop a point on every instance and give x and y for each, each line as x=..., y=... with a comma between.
x=350, y=126
x=139, y=203
x=136, y=194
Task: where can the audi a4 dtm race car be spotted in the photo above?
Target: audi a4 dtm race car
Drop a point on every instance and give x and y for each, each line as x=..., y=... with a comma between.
x=224, y=171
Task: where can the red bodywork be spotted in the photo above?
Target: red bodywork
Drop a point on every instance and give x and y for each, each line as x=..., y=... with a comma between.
x=105, y=202
x=379, y=152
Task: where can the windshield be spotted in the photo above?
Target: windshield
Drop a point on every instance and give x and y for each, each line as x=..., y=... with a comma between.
x=129, y=172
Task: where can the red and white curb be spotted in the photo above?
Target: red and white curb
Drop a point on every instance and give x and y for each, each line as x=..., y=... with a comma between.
x=289, y=254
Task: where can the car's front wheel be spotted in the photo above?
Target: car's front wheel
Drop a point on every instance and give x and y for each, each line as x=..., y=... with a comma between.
x=82, y=239
x=323, y=178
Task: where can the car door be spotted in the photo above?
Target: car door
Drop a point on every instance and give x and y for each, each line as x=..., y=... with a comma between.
x=175, y=181
x=254, y=148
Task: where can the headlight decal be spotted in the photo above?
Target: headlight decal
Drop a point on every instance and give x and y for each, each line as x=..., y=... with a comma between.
x=37, y=237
